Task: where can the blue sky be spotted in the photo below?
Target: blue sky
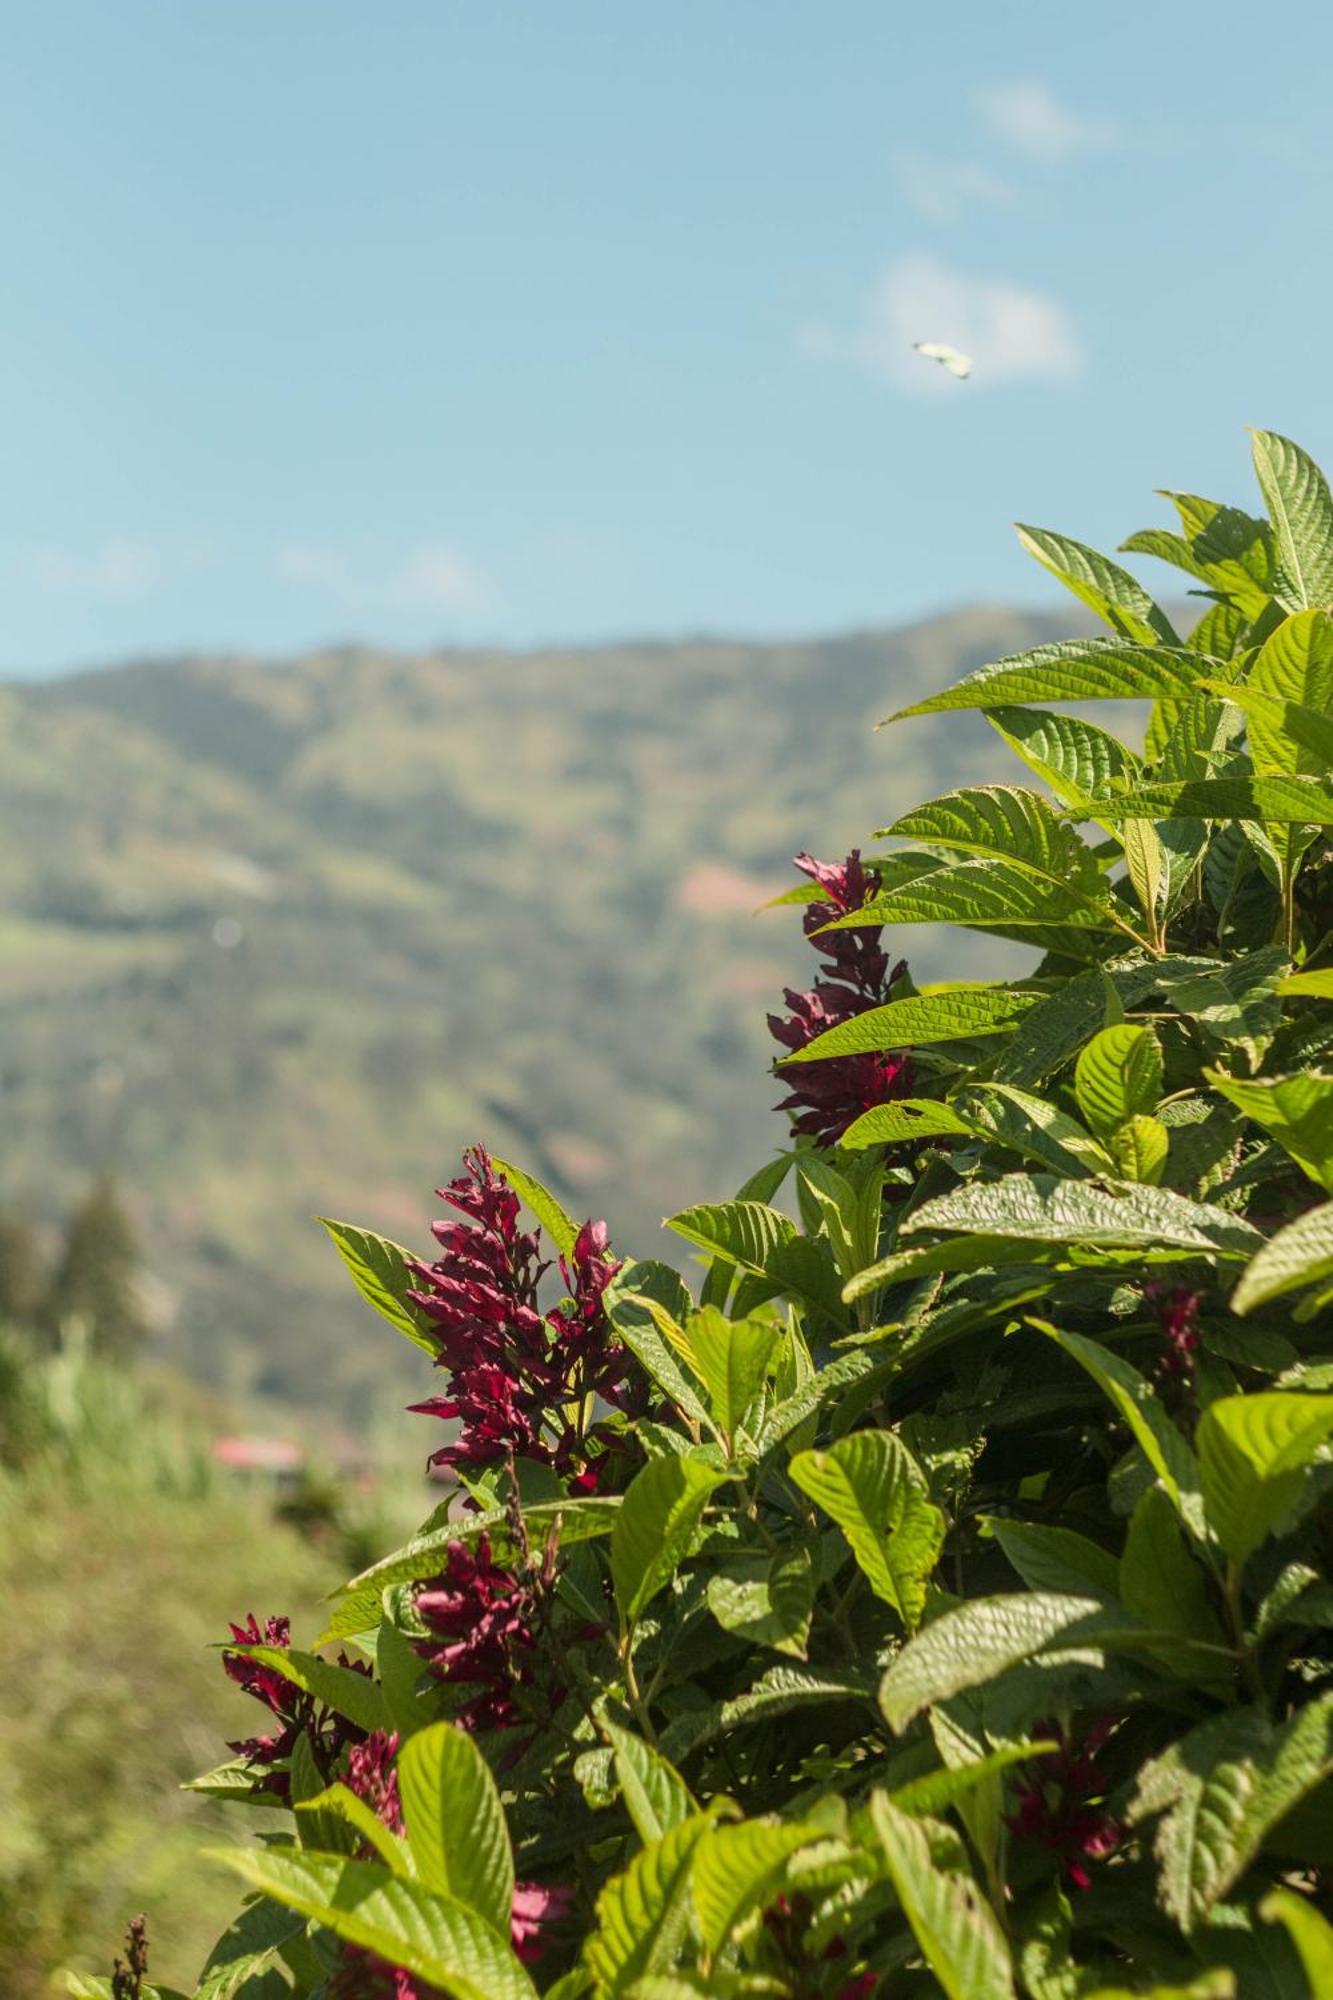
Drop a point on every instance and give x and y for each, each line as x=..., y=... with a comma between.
x=569, y=319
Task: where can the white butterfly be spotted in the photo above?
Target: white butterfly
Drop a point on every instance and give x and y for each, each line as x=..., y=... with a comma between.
x=948, y=357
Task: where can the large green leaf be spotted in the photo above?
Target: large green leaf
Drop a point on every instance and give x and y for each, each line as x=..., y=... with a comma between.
x=656, y=1796
x=973, y=1644
x=1073, y=670
x=1254, y=1452
x=1057, y=1559
x=559, y=1225
x=426, y=1554
x=1234, y=1003
x=731, y=1359
x=1103, y=585
x=249, y=1948
x=1297, y=498
x=767, y=1600
x=348, y=1693
x=1038, y=1208
x=1300, y=1254
x=1222, y=1788
x=1297, y=1110
x=905, y=1121
x=1076, y=758
x=870, y=1484
x=920, y=1020
x=435, y=1937
x=1303, y=737
x=1142, y=1410
x=654, y=1529
x=1119, y=1075
x=1311, y=1934
x=1160, y=1581
x=738, y=1869
x=957, y=1930
x=741, y=1232
x=455, y=1823
x=643, y=1302
x=1275, y=801
x=1033, y=1126
x=643, y=1914
x=1294, y=664
x=380, y=1273
x=1060, y=1024
x=1006, y=822
x=982, y=894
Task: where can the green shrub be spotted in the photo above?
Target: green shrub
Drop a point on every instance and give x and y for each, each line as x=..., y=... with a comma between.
x=939, y=1602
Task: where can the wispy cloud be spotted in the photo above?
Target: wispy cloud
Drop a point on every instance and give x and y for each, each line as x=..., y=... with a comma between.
x=428, y=576
x=944, y=190
x=1029, y=119
x=120, y=567
x=1012, y=332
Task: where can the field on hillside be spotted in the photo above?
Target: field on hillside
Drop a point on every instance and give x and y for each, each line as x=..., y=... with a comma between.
x=282, y=939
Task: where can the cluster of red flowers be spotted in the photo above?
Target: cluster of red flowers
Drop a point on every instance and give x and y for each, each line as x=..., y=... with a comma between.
x=484, y=1625
x=516, y=1374
x=1060, y=1804
x=1177, y=1311
x=297, y=1713
x=827, y=1096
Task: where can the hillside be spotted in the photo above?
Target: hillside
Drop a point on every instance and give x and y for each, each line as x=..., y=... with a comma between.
x=282, y=938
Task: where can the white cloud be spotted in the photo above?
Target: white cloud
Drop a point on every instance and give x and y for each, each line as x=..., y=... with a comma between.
x=1028, y=119
x=118, y=568
x=943, y=190
x=431, y=575
x=1011, y=332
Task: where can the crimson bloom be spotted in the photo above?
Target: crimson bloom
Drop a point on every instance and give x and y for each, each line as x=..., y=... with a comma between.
x=297, y=1713
x=829, y=1095
x=1061, y=1805
x=484, y=1624
x=514, y=1372
x=1177, y=1310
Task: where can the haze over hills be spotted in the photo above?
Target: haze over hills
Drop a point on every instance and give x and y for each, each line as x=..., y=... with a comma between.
x=282, y=938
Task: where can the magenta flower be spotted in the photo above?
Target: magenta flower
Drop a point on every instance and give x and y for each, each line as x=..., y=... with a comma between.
x=534, y=1910
x=297, y=1713
x=827, y=1096
x=1177, y=1311
x=1061, y=1805
x=373, y=1775
x=514, y=1371
x=484, y=1625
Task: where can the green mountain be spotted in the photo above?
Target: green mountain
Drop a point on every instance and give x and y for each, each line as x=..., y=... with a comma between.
x=280, y=939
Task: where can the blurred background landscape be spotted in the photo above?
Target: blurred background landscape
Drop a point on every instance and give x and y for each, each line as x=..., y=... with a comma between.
x=469, y=495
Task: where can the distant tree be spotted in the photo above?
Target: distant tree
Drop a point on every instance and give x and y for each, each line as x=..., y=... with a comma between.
x=21, y=1279
x=96, y=1277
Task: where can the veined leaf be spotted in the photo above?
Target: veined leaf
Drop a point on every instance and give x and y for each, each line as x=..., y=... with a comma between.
x=344, y=1805
x=1308, y=985
x=870, y=1484
x=435, y=1937
x=1038, y=1208
x=559, y=1225
x=250, y=1947
x=1073, y=670
x=656, y=1796
x=972, y=1645
x=1222, y=1788
x=1303, y=736
x=766, y=1600
x=1141, y=1146
x=938, y=1790
x=658, y=1518
x=1297, y=1110
x=730, y=1358
x=1234, y=1003
x=1118, y=1076
x=983, y=893
x=455, y=1822
x=742, y=1232
x=1159, y=1580
x=903, y=1122
x=1300, y=1254
x=1032, y=1125
x=1153, y=1430
x=425, y=1555
x=353, y=1695
x=1076, y=758
x=1056, y=1559
x=1297, y=498
x=380, y=1273
x=1253, y=1454
x=643, y=1914
x=1060, y=1024
x=738, y=1869
x=1275, y=801
x=1115, y=595
x=1295, y=664
x=639, y=1301
x=1006, y=822
x=921, y=1020
x=958, y=1932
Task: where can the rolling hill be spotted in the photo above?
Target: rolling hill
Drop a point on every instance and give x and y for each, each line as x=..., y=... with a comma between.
x=281, y=938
